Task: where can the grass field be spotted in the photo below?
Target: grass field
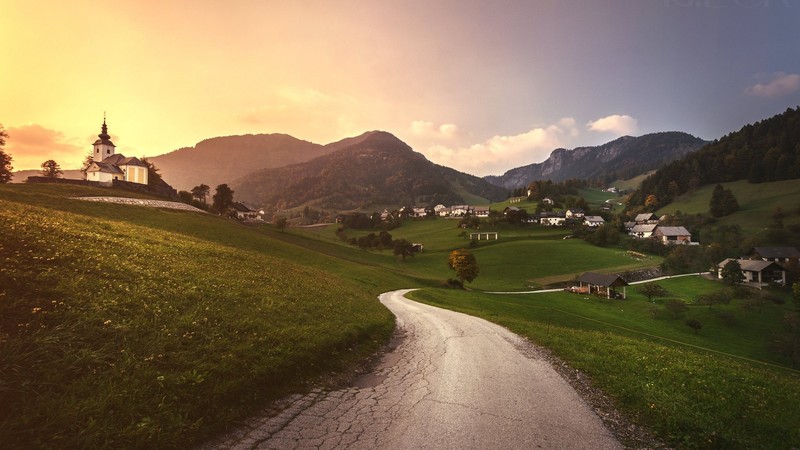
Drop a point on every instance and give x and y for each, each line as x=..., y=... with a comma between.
x=139, y=327
x=633, y=183
x=757, y=202
x=719, y=388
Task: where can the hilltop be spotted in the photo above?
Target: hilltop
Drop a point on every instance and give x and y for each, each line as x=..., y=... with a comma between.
x=621, y=158
x=223, y=159
x=374, y=168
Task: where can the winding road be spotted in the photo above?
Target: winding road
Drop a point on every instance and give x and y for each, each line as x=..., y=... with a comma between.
x=453, y=381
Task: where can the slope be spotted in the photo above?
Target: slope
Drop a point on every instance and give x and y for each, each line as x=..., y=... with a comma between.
x=224, y=159
x=374, y=168
x=624, y=158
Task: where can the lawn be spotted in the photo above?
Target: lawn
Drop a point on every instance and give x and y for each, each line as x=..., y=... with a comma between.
x=137, y=327
x=757, y=203
x=719, y=388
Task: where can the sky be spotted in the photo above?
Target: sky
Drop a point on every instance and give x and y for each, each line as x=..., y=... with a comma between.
x=480, y=86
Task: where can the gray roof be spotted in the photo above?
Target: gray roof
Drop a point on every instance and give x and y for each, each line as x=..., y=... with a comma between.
x=673, y=231
x=104, y=167
x=593, y=219
x=776, y=252
x=644, y=228
x=601, y=279
x=645, y=217
x=751, y=265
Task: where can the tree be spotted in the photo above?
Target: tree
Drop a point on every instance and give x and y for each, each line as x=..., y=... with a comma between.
x=51, y=169
x=651, y=202
x=87, y=162
x=732, y=273
x=651, y=290
x=464, y=263
x=201, y=192
x=153, y=177
x=403, y=248
x=676, y=307
x=5, y=159
x=222, y=199
x=722, y=202
x=185, y=197
x=694, y=324
x=281, y=222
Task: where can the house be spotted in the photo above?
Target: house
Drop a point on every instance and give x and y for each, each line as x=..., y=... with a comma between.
x=574, y=213
x=419, y=213
x=553, y=219
x=673, y=235
x=547, y=200
x=444, y=212
x=593, y=221
x=439, y=208
x=243, y=212
x=612, y=189
x=646, y=218
x=643, y=231
x=460, y=210
x=510, y=209
x=602, y=284
x=108, y=166
x=757, y=272
x=385, y=215
x=776, y=254
x=481, y=211
x=629, y=226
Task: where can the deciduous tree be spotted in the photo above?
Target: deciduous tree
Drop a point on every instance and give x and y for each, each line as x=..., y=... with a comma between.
x=153, y=177
x=87, y=162
x=222, y=199
x=651, y=290
x=676, y=307
x=694, y=324
x=201, y=192
x=281, y=222
x=51, y=169
x=732, y=273
x=5, y=159
x=465, y=264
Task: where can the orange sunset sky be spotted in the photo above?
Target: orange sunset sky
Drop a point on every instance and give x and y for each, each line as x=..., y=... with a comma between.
x=481, y=86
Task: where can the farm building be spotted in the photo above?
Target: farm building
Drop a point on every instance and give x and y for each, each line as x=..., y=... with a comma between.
x=602, y=284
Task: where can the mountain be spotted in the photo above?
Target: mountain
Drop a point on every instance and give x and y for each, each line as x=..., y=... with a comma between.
x=374, y=168
x=622, y=158
x=768, y=150
x=224, y=159
x=21, y=175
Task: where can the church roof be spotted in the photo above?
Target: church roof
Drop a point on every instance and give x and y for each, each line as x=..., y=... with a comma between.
x=122, y=160
x=104, y=167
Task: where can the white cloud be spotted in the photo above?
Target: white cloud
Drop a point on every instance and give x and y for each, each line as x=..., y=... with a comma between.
x=617, y=124
x=780, y=85
x=500, y=153
x=429, y=130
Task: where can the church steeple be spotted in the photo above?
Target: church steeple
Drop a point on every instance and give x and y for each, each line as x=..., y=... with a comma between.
x=103, y=147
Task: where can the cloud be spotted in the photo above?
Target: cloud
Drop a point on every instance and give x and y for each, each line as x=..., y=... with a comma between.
x=31, y=145
x=500, y=153
x=617, y=124
x=780, y=85
x=429, y=130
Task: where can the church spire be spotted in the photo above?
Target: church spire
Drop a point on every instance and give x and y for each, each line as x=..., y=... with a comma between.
x=104, y=134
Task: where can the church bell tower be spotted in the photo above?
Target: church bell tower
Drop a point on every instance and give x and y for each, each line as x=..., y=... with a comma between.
x=103, y=147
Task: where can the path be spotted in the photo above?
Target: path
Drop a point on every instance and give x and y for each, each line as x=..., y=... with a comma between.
x=543, y=291
x=454, y=381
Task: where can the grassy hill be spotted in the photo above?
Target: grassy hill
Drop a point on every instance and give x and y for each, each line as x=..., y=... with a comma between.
x=128, y=326
x=757, y=203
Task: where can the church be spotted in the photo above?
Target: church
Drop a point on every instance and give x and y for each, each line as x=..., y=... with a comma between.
x=108, y=166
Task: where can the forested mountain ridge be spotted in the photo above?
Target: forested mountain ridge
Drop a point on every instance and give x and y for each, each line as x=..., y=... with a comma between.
x=224, y=159
x=621, y=158
x=768, y=150
x=374, y=168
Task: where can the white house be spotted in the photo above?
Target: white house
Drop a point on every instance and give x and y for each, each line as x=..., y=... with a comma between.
x=460, y=210
x=481, y=211
x=643, y=231
x=673, y=235
x=593, y=221
x=646, y=218
x=107, y=165
x=439, y=208
x=574, y=213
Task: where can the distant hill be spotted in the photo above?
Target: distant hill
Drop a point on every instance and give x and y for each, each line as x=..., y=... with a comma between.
x=622, y=158
x=768, y=150
x=374, y=168
x=224, y=159
x=21, y=175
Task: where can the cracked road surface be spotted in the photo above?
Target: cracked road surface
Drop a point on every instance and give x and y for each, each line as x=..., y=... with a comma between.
x=454, y=381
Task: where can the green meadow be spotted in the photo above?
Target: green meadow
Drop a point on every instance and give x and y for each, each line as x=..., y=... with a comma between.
x=757, y=203
x=141, y=327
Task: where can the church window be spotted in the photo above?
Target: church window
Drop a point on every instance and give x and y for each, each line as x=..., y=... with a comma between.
x=108, y=151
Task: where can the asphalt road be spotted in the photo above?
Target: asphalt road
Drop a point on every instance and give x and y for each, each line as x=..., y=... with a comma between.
x=453, y=382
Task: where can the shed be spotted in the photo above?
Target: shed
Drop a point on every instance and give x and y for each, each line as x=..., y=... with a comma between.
x=600, y=283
